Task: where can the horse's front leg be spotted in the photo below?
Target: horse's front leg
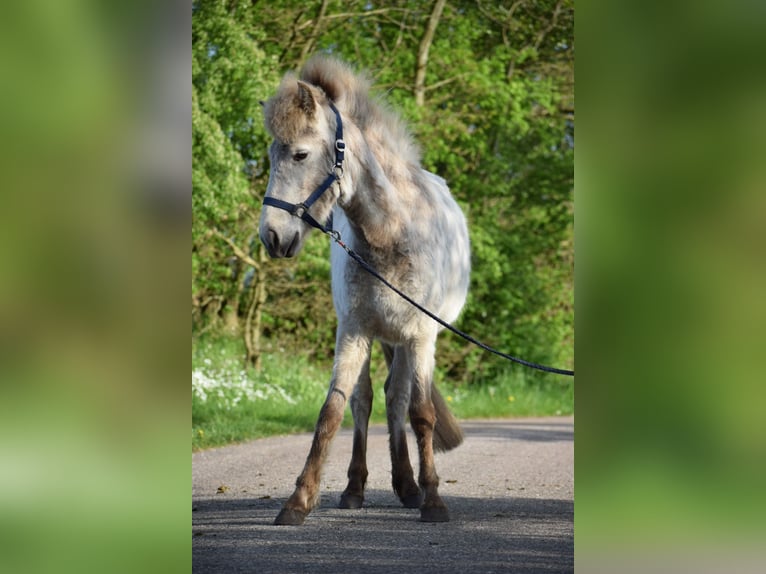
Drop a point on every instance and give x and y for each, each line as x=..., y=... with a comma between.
x=423, y=419
x=361, y=405
x=352, y=352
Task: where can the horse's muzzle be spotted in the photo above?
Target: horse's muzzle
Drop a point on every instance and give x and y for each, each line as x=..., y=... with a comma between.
x=280, y=247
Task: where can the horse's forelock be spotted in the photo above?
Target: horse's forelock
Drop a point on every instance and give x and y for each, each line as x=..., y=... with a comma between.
x=336, y=78
x=350, y=91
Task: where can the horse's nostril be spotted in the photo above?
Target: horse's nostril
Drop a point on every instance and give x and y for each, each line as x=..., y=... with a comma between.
x=293, y=247
x=285, y=249
x=273, y=240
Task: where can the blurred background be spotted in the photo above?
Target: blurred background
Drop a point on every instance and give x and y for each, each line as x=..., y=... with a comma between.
x=95, y=207
x=671, y=277
x=96, y=201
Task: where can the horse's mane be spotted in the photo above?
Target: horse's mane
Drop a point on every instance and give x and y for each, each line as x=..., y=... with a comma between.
x=383, y=128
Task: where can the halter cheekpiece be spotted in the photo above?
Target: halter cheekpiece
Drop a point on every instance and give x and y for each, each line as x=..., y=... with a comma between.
x=301, y=210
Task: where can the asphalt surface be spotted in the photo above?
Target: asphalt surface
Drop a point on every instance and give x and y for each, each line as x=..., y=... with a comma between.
x=509, y=488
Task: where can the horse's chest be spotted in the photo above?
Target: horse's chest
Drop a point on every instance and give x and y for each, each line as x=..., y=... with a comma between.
x=362, y=299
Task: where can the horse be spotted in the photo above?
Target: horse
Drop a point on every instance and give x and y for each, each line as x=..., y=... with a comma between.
x=403, y=221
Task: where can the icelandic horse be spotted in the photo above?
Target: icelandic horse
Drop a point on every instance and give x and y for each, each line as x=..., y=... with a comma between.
x=404, y=222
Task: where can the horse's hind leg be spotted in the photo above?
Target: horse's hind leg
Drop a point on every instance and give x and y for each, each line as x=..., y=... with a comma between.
x=423, y=419
x=352, y=354
x=397, y=400
x=361, y=405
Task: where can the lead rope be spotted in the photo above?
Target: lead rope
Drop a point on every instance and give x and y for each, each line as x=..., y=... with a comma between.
x=301, y=210
x=371, y=270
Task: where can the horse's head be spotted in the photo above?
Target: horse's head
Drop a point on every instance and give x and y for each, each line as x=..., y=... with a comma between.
x=302, y=155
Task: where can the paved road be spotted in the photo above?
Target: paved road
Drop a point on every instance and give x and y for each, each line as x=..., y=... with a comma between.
x=509, y=488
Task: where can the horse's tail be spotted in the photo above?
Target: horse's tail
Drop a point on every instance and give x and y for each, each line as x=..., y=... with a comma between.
x=447, y=432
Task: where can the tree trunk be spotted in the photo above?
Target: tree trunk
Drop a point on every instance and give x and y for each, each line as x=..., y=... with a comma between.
x=425, y=45
x=311, y=40
x=231, y=317
x=252, y=329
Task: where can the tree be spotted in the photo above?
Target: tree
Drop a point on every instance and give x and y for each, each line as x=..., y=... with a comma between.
x=229, y=75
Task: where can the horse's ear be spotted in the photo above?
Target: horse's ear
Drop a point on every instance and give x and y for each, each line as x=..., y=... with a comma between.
x=306, y=99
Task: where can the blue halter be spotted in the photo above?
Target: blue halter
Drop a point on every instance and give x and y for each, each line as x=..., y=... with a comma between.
x=302, y=209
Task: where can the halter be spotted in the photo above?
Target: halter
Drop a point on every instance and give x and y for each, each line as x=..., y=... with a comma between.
x=301, y=210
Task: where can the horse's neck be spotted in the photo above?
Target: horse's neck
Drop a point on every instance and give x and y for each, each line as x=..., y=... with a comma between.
x=379, y=205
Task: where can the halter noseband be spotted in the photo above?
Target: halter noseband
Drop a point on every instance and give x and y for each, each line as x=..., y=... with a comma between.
x=301, y=210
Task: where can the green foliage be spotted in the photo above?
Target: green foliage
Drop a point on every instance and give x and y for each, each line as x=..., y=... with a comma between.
x=229, y=76
x=301, y=316
x=497, y=124
x=511, y=394
x=231, y=403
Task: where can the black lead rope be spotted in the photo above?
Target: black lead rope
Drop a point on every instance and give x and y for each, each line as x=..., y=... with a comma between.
x=371, y=270
x=301, y=210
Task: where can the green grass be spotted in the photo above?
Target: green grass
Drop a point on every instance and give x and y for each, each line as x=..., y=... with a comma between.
x=513, y=394
x=231, y=404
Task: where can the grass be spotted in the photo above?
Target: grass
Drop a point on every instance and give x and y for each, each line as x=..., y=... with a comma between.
x=232, y=404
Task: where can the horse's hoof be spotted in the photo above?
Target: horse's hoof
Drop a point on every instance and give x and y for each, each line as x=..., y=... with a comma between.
x=350, y=501
x=290, y=517
x=412, y=500
x=434, y=514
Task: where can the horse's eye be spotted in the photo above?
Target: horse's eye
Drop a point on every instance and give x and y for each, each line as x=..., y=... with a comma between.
x=300, y=155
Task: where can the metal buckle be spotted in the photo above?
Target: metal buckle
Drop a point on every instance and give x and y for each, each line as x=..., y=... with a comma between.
x=340, y=145
x=335, y=234
x=299, y=210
